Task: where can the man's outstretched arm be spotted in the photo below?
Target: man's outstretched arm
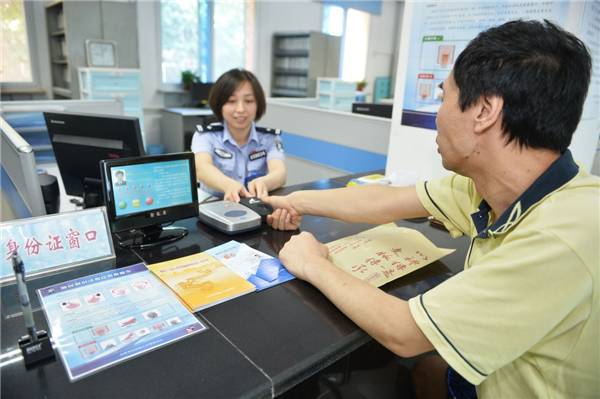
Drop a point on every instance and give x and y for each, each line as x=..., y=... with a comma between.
x=373, y=204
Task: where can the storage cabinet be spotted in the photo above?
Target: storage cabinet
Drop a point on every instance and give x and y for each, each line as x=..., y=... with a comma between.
x=71, y=23
x=336, y=94
x=299, y=58
x=120, y=84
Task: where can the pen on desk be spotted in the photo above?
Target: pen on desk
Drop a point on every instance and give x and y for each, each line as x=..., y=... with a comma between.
x=19, y=269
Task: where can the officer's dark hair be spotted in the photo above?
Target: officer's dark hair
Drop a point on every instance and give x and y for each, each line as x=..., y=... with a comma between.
x=119, y=172
x=541, y=72
x=227, y=84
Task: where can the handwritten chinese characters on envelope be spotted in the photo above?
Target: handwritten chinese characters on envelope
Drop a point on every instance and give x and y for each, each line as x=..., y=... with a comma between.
x=384, y=253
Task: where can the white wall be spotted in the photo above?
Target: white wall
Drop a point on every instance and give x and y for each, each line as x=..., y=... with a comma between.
x=152, y=100
x=290, y=16
x=410, y=148
x=281, y=16
x=271, y=16
x=382, y=51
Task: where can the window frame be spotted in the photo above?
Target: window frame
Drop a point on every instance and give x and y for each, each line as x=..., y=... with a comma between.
x=166, y=87
x=35, y=84
x=179, y=87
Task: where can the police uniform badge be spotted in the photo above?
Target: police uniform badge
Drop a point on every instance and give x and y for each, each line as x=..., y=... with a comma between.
x=261, y=129
x=279, y=146
x=213, y=127
x=223, y=154
x=257, y=155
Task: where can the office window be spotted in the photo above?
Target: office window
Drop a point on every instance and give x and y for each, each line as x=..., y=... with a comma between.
x=180, y=39
x=333, y=20
x=206, y=37
x=353, y=25
x=17, y=55
x=229, y=33
x=356, y=45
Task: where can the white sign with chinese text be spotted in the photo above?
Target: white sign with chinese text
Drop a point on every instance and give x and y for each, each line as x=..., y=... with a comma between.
x=54, y=242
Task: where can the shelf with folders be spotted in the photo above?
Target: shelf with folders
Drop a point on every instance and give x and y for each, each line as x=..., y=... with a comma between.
x=299, y=58
x=296, y=64
x=293, y=44
x=58, y=49
x=299, y=83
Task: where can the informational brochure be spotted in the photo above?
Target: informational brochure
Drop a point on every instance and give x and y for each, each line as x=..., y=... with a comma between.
x=201, y=281
x=104, y=319
x=384, y=253
x=260, y=269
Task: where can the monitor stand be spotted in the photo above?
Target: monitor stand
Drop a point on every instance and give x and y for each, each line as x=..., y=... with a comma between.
x=151, y=236
x=92, y=193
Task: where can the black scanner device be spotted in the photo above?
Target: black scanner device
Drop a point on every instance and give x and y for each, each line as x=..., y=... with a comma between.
x=262, y=208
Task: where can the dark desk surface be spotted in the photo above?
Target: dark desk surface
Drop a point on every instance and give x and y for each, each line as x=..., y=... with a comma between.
x=258, y=345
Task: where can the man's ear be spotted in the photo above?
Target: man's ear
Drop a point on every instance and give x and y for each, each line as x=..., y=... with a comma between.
x=488, y=112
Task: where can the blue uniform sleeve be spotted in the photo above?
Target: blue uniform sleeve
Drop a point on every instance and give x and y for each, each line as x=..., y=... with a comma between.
x=202, y=143
x=275, y=148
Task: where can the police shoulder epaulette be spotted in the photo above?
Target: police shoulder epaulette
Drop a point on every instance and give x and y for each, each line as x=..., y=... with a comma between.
x=213, y=127
x=261, y=129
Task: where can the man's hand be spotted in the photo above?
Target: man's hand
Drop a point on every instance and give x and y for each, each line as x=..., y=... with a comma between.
x=285, y=216
x=302, y=252
x=276, y=239
x=258, y=188
x=234, y=191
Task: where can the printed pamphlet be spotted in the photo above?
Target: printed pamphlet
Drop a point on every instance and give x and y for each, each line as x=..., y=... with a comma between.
x=101, y=320
x=201, y=281
x=260, y=269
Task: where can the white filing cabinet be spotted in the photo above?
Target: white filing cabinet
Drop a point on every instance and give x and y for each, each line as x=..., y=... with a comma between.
x=120, y=84
x=336, y=94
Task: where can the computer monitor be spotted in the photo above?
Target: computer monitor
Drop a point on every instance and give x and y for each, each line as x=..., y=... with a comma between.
x=81, y=141
x=19, y=175
x=199, y=93
x=144, y=193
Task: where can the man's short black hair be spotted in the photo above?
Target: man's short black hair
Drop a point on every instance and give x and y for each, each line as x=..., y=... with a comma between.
x=541, y=71
x=227, y=84
x=119, y=172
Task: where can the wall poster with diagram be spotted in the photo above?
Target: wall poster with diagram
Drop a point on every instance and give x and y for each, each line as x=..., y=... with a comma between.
x=443, y=31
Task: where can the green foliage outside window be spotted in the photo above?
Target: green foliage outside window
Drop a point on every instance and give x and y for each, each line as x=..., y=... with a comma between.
x=14, y=47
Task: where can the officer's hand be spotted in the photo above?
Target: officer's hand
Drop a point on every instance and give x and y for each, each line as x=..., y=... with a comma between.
x=285, y=216
x=234, y=191
x=258, y=188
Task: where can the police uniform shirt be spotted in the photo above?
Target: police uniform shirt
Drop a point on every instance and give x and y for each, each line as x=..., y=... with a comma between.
x=244, y=163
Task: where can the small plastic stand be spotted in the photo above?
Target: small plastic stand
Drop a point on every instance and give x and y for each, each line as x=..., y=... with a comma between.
x=36, y=352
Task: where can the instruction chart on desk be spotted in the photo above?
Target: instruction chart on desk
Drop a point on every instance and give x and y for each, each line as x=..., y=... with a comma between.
x=103, y=319
x=443, y=31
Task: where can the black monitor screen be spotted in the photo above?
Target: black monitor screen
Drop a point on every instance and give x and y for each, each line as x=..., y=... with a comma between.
x=199, y=93
x=81, y=141
x=149, y=191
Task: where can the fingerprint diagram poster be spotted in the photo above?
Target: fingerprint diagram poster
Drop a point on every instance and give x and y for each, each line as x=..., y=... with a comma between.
x=101, y=320
x=440, y=31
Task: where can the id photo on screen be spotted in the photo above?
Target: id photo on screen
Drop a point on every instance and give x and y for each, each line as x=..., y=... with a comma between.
x=119, y=178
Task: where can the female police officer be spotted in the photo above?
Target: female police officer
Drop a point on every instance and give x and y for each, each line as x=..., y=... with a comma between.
x=235, y=158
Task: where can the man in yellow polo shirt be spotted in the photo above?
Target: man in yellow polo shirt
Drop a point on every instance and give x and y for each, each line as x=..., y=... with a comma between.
x=522, y=319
